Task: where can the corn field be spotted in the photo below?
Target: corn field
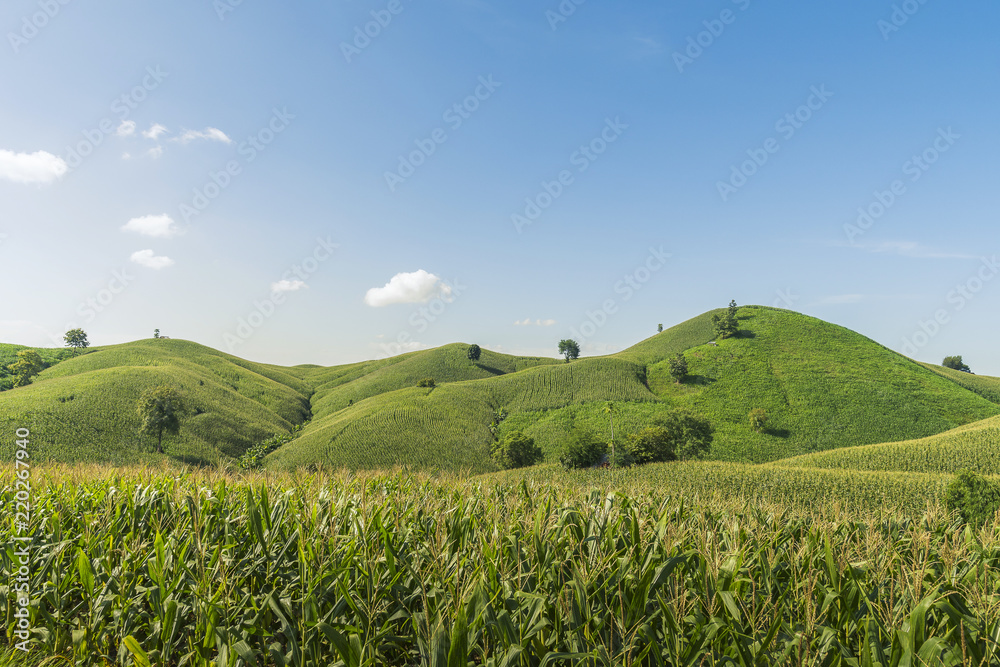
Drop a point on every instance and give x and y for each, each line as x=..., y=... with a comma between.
x=160, y=568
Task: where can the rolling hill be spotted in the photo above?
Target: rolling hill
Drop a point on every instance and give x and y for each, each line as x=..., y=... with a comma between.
x=824, y=387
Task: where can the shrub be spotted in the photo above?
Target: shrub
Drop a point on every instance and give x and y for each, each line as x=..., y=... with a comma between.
x=680, y=435
x=622, y=458
x=427, y=382
x=582, y=450
x=975, y=498
x=678, y=368
x=956, y=363
x=517, y=450
x=474, y=352
x=758, y=419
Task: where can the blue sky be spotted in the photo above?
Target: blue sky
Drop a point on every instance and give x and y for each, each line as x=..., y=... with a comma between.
x=508, y=174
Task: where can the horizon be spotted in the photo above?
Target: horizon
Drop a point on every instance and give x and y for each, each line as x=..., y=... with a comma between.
x=356, y=181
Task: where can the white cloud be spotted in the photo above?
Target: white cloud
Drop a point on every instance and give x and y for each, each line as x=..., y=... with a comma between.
x=209, y=133
x=288, y=286
x=158, y=226
x=913, y=249
x=416, y=287
x=527, y=322
x=37, y=167
x=126, y=129
x=150, y=261
x=154, y=131
x=155, y=153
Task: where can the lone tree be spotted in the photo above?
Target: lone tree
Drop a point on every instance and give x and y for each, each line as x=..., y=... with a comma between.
x=726, y=325
x=161, y=409
x=956, y=363
x=659, y=328
x=156, y=333
x=758, y=419
x=474, y=352
x=76, y=339
x=569, y=348
x=427, y=383
x=678, y=368
x=29, y=364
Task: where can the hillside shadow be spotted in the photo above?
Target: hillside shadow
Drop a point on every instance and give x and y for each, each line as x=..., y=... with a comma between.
x=778, y=432
x=192, y=460
x=698, y=380
x=743, y=333
x=490, y=369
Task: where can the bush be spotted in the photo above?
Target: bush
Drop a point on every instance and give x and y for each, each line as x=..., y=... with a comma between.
x=680, y=435
x=678, y=368
x=474, y=352
x=956, y=363
x=975, y=498
x=517, y=450
x=427, y=382
x=622, y=458
x=582, y=450
x=758, y=419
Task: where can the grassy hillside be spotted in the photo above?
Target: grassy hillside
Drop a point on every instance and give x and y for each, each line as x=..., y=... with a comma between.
x=823, y=387
x=974, y=446
x=84, y=407
x=8, y=355
x=984, y=385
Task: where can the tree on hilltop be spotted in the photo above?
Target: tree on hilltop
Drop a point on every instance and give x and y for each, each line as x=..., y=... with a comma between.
x=76, y=339
x=474, y=352
x=956, y=363
x=726, y=325
x=569, y=348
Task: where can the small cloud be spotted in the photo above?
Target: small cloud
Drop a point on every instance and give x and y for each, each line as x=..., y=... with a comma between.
x=37, y=167
x=150, y=261
x=154, y=131
x=416, y=287
x=158, y=226
x=155, y=153
x=126, y=129
x=209, y=134
x=912, y=249
x=527, y=322
x=288, y=286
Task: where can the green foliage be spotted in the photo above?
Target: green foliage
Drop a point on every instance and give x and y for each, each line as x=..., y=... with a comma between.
x=474, y=352
x=516, y=450
x=975, y=498
x=253, y=458
x=582, y=450
x=76, y=339
x=725, y=324
x=678, y=368
x=680, y=434
x=156, y=333
x=160, y=410
x=659, y=328
x=569, y=348
x=956, y=363
x=427, y=383
x=393, y=570
x=758, y=419
x=29, y=364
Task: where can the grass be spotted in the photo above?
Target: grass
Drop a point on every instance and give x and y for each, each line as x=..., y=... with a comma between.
x=973, y=447
x=165, y=567
x=823, y=387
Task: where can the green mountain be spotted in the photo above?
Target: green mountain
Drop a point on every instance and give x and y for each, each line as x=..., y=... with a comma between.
x=822, y=386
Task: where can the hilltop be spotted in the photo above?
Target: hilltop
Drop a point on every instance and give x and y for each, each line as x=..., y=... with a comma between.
x=823, y=386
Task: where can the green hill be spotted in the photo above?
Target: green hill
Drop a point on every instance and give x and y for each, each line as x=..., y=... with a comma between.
x=823, y=387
